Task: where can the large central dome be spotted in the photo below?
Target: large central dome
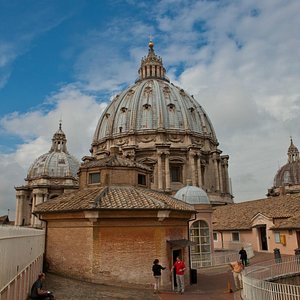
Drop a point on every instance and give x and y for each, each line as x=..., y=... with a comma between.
x=158, y=124
x=151, y=104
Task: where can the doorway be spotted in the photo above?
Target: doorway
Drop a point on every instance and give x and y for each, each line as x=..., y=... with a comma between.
x=262, y=230
x=176, y=253
x=298, y=238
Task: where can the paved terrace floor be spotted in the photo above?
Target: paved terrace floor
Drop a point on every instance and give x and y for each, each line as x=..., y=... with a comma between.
x=212, y=284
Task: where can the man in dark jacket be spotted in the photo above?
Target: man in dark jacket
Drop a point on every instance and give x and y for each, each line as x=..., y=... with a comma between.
x=243, y=256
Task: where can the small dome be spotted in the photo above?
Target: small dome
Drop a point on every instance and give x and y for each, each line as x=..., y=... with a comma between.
x=290, y=172
x=192, y=195
x=57, y=162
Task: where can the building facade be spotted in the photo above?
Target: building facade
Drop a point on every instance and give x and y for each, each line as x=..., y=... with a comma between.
x=267, y=224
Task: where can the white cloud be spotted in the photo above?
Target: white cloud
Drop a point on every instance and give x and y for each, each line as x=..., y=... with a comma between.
x=79, y=113
x=246, y=77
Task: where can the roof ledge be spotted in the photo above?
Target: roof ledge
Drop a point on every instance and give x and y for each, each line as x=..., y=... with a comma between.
x=91, y=215
x=162, y=214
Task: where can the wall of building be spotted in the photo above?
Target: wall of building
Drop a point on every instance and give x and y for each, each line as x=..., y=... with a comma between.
x=69, y=248
x=113, y=250
x=288, y=241
x=113, y=176
x=252, y=237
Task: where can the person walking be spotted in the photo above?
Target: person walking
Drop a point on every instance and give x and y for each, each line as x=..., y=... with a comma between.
x=237, y=268
x=179, y=267
x=156, y=269
x=243, y=257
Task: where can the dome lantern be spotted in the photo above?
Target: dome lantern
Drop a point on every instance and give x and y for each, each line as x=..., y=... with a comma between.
x=152, y=65
x=293, y=153
x=59, y=141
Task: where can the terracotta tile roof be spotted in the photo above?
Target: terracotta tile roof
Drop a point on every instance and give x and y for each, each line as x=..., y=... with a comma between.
x=113, y=197
x=284, y=209
x=115, y=161
x=292, y=222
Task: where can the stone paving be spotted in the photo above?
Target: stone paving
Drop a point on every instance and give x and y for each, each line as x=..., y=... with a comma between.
x=212, y=284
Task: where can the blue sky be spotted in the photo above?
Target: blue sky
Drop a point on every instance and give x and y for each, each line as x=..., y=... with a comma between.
x=66, y=59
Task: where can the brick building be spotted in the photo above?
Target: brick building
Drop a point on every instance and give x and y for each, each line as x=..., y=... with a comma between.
x=112, y=229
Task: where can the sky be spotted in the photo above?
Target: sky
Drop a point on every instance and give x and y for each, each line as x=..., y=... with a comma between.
x=64, y=60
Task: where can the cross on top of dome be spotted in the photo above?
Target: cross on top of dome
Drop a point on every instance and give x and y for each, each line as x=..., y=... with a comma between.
x=152, y=65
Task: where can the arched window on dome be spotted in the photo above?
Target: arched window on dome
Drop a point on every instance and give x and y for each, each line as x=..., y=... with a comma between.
x=201, y=252
x=286, y=177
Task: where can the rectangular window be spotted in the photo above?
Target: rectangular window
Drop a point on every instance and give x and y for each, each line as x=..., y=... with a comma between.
x=215, y=234
x=175, y=173
x=94, y=178
x=141, y=179
x=277, y=237
x=235, y=236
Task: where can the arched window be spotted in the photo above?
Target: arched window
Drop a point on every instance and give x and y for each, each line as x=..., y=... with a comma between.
x=201, y=252
x=286, y=177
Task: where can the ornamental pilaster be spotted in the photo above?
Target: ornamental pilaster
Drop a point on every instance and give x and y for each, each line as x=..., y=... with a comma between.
x=167, y=169
x=216, y=169
x=159, y=169
x=199, y=168
x=225, y=159
x=192, y=155
x=39, y=196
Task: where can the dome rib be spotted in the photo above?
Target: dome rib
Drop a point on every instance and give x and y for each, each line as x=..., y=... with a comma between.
x=192, y=195
x=128, y=111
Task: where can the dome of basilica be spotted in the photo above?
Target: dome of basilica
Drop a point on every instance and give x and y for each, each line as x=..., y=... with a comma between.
x=152, y=103
x=57, y=162
x=192, y=195
x=157, y=123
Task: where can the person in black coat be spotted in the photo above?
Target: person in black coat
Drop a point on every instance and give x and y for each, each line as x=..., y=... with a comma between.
x=156, y=269
x=243, y=256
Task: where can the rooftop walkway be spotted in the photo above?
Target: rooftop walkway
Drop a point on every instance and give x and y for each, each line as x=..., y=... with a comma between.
x=213, y=284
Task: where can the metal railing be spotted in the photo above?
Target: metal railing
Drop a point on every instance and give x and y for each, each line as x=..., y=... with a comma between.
x=257, y=280
x=218, y=258
x=18, y=288
x=21, y=259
